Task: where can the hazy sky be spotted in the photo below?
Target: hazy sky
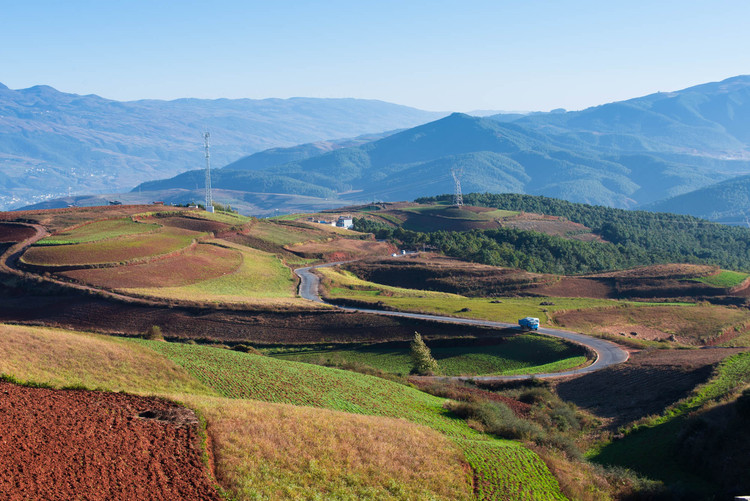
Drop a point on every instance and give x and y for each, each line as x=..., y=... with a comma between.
x=431, y=54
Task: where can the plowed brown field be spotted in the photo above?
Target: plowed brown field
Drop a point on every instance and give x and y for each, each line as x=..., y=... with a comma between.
x=646, y=384
x=10, y=232
x=341, y=249
x=86, y=313
x=190, y=223
x=201, y=263
x=63, y=444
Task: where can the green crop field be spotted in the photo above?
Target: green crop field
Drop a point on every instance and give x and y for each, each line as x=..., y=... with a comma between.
x=241, y=375
x=522, y=354
x=525, y=476
x=116, y=250
x=99, y=230
x=724, y=278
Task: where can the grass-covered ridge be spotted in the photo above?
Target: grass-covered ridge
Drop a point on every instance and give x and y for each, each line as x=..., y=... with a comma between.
x=64, y=358
x=725, y=278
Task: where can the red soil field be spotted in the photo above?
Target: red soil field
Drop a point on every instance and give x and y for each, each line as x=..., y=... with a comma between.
x=189, y=223
x=341, y=249
x=551, y=225
x=115, y=250
x=434, y=272
x=575, y=287
x=203, y=262
x=10, y=232
x=65, y=444
x=57, y=219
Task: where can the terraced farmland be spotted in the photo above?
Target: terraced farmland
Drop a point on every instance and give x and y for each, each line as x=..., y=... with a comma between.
x=118, y=250
x=204, y=262
x=525, y=476
x=259, y=276
x=98, y=230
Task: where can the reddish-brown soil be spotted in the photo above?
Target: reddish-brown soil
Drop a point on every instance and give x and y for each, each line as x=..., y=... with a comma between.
x=119, y=250
x=63, y=444
x=190, y=223
x=428, y=271
x=551, y=225
x=10, y=232
x=646, y=384
x=674, y=271
x=203, y=262
x=575, y=287
x=57, y=219
x=302, y=327
x=341, y=249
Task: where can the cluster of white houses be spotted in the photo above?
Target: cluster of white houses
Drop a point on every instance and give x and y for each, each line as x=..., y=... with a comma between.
x=342, y=222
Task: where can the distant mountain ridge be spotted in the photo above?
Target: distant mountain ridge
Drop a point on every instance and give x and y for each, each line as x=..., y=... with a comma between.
x=711, y=119
x=52, y=142
x=725, y=202
x=538, y=154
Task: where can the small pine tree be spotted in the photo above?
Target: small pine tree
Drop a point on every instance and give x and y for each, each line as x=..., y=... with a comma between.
x=422, y=360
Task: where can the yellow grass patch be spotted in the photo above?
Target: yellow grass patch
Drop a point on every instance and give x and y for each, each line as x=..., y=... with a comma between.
x=695, y=324
x=64, y=358
x=279, y=451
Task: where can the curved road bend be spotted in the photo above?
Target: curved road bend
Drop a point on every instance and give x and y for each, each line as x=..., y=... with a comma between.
x=608, y=353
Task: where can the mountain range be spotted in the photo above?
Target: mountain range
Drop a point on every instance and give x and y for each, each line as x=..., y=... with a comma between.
x=624, y=154
x=52, y=142
x=628, y=154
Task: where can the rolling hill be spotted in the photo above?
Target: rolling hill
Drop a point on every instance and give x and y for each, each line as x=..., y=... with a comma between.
x=53, y=142
x=725, y=202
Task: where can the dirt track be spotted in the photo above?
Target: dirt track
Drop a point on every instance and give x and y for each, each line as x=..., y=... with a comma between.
x=58, y=444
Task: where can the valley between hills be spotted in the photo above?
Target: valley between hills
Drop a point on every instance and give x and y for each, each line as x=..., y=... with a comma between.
x=175, y=343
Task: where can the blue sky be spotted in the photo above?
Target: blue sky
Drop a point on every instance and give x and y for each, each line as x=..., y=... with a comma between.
x=437, y=55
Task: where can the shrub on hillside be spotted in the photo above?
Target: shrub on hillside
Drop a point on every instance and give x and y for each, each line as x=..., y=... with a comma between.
x=154, y=333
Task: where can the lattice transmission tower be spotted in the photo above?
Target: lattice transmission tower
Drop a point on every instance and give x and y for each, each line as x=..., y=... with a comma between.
x=458, y=198
x=209, y=196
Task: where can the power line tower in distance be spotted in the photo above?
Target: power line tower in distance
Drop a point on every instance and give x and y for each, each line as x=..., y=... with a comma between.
x=209, y=196
x=458, y=198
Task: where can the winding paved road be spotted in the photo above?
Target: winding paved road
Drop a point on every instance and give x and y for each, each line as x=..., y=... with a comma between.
x=608, y=353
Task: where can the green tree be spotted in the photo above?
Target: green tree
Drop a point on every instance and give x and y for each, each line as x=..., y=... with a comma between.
x=421, y=357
